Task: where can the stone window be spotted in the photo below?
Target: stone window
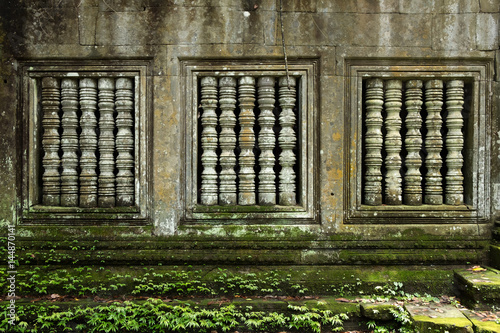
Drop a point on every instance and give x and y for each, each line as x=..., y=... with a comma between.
x=250, y=142
x=84, y=143
x=418, y=147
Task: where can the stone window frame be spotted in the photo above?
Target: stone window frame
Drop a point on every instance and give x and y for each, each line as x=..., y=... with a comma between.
x=305, y=212
x=479, y=73
x=31, y=211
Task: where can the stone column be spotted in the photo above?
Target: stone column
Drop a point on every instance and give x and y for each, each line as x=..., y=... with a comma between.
x=454, y=143
x=88, y=143
x=267, y=141
x=287, y=140
x=373, y=142
x=69, y=143
x=433, y=142
x=125, y=142
x=393, y=103
x=209, y=188
x=106, y=189
x=246, y=195
x=413, y=143
x=227, y=140
x=51, y=179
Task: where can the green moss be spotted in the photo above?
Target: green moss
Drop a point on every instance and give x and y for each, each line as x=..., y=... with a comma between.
x=377, y=311
x=450, y=324
x=485, y=326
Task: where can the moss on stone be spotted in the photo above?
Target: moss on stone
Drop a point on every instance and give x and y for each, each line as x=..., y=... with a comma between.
x=485, y=326
x=438, y=325
x=377, y=311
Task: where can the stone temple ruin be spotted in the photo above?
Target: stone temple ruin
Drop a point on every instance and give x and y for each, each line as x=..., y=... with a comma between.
x=174, y=133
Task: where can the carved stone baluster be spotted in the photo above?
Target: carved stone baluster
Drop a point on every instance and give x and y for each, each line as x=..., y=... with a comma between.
x=413, y=143
x=106, y=143
x=374, y=102
x=51, y=179
x=433, y=142
x=124, y=142
x=454, y=143
x=69, y=143
x=88, y=143
x=267, y=141
x=287, y=140
x=246, y=195
x=393, y=143
x=227, y=140
x=209, y=188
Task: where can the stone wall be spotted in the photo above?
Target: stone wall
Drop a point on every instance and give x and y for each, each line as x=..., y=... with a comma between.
x=334, y=35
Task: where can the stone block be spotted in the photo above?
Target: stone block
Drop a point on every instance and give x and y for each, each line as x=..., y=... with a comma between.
x=368, y=6
x=123, y=5
x=421, y=6
x=484, y=322
x=205, y=25
x=51, y=26
x=87, y=21
x=489, y=6
x=336, y=6
x=57, y=4
x=353, y=29
x=377, y=311
x=479, y=287
x=298, y=6
x=238, y=5
x=495, y=256
x=454, y=32
x=460, y=6
x=487, y=31
x=380, y=30
x=439, y=318
x=122, y=28
x=331, y=148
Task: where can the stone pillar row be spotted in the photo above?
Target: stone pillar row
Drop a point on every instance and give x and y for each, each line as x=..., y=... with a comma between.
x=383, y=103
x=223, y=95
x=96, y=167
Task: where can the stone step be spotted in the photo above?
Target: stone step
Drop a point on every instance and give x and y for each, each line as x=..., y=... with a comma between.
x=479, y=287
x=484, y=322
x=495, y=254
x=439, y=318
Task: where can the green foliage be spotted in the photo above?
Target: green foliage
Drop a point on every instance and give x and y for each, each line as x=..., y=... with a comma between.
x=98, y=280
x=154, y=315
x=401, y=324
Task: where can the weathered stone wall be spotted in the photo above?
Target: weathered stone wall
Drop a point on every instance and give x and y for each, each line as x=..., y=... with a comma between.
x=451, y=31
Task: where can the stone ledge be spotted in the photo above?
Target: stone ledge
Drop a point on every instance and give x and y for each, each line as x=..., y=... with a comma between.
x=480, y=287
x=436, y=318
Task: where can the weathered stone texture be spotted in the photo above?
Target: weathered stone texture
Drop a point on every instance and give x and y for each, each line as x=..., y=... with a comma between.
x=331, y=159
x=384, y=6
x=169, y=30
x=489, y=6
x=204, y=25
x=124, y=28
x=420, y=6
x=461, y=6
x=487, y=28
x=373, y=29
x=51, y=25
x=87, y=24
x=454, y=32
